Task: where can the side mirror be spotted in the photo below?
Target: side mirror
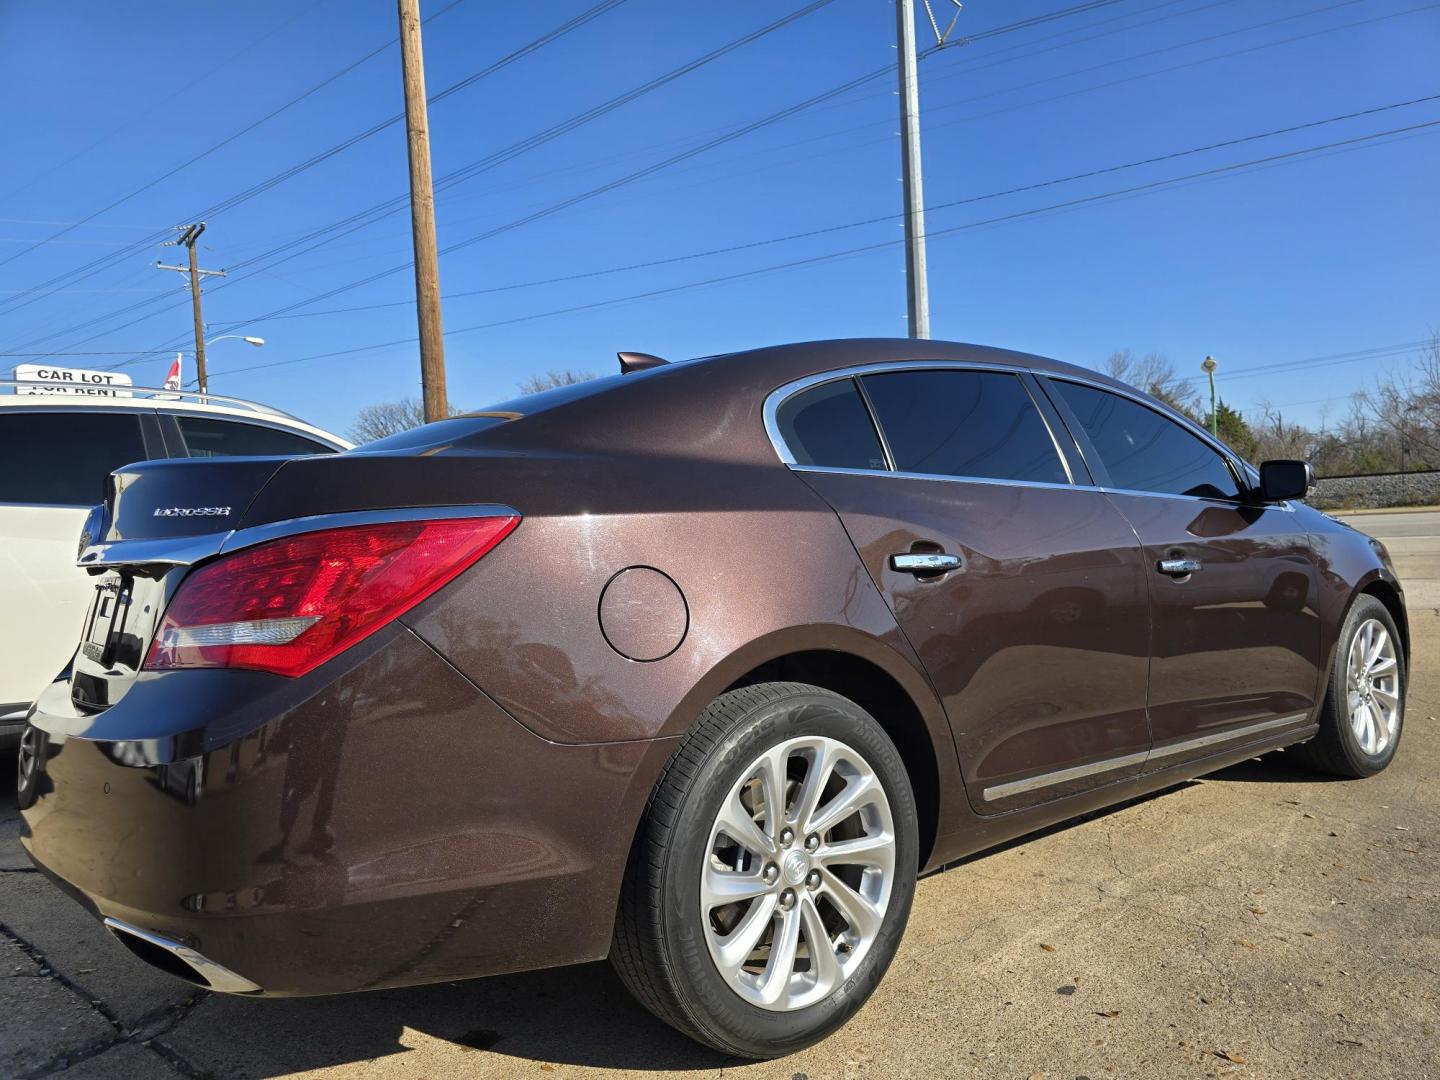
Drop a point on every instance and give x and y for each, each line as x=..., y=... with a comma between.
x=1281, y=480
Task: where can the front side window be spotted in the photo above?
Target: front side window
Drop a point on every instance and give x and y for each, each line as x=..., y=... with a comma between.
x=830, y=426
x=56, y=458
x=1145, y=451
x=208, y=437
x=979, y=424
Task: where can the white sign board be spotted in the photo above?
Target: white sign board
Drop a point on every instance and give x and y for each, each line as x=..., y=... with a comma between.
x=47, y=379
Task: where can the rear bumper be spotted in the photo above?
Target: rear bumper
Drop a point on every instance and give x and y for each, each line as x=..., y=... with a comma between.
x=352, y=839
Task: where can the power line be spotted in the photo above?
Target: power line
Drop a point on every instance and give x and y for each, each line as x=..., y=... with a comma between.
x=674, y=159
x=887, y=244
x=363, y=218
x=360, y=220
x=223, y=142
x=883, y=218
x=545, y=39
x=388, y=206
x=207, y=75
x=265, y=185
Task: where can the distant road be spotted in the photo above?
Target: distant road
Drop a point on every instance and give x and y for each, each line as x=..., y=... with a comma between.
x=1414, y=542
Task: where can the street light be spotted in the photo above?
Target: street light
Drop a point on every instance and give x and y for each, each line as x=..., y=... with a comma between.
x=1208, y=365
x=255, y=341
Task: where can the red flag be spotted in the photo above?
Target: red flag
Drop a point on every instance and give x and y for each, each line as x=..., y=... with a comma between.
x=172, y=381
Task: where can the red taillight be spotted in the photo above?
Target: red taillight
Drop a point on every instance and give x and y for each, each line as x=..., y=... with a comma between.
x=289, y=605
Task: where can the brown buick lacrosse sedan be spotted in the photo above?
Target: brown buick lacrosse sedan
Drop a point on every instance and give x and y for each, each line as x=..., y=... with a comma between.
x=698, y=666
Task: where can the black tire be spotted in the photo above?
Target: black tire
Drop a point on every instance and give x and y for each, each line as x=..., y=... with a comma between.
x=1336, y=748
x=660, y=949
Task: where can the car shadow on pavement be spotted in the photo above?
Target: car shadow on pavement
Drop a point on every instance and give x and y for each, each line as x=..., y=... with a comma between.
x=578, y=1015
x=1273, y=768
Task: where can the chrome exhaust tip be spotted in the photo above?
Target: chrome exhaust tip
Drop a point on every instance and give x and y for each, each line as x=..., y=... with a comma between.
x=179, y=960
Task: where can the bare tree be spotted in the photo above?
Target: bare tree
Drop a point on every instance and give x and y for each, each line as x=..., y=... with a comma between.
x=1154, y=374
x=1406, y=411
x=388, y=418
x=534, y=384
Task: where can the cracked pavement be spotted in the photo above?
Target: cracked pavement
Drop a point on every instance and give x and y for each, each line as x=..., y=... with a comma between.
x=1260, y=922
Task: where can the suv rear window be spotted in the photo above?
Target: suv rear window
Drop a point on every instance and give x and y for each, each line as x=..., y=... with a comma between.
x=58, y=458
x=209, y=437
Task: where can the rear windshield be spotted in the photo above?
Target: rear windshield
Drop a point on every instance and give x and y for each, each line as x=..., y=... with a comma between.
x=445, y=432
x=437, y=434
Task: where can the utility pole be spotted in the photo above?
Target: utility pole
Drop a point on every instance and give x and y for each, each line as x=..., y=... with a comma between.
x=188, y=235
x=422, y=216
x=917, y=287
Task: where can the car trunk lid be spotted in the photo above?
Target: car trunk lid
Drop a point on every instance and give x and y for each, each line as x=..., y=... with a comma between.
x=158, y=518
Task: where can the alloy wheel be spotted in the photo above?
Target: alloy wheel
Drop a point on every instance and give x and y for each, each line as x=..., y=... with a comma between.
x=29, y=758
x=1372, y=685
x=798, y=873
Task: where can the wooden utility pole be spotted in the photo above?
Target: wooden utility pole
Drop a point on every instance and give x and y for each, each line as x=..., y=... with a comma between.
x=422, y=216
x=188, y=235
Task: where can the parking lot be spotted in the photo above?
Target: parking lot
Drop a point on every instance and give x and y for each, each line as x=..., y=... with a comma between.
x=1260, y=922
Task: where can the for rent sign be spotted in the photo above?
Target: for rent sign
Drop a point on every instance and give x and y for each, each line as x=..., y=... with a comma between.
x=45, y=379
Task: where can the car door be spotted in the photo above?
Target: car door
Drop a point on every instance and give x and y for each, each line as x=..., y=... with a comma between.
x=1021, y=591
x=55, y=462
x=1235, y=653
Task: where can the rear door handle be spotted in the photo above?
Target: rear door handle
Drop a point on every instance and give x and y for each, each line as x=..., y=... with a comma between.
x=926, y=562
x=1178, y=567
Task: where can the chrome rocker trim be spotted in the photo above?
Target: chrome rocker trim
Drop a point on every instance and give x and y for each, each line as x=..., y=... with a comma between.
x=1077, y=772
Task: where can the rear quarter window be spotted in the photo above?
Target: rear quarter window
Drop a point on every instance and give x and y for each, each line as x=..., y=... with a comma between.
x=830, y=426
x=60, y=458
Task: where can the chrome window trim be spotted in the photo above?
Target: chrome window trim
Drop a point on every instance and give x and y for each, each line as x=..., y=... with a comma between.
x=1226, y=503
x=1139, y=757
x=942, y=476
x=188, y=550
x=783, y=393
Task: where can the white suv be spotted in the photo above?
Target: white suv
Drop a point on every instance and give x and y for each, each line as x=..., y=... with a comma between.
x=55, y=452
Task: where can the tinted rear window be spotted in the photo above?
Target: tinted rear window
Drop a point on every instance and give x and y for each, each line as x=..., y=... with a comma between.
x=830, y=426
x=59, y=458
x=1144, y=451
x=965, y=424
x=209, y=437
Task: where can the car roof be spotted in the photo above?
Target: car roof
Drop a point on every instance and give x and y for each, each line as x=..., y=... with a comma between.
x=670, y=405
x=147, y=398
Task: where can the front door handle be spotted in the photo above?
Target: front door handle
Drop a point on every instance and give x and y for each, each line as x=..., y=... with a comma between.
x=1178, y=567
x=926, y=562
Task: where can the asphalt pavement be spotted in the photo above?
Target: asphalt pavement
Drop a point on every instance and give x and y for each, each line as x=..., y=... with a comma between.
x=1260, y=922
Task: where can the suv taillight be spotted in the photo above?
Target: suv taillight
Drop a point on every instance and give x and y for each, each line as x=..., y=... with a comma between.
x=289, y=605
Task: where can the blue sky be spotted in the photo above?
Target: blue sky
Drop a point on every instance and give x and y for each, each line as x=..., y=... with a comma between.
x=1318, y=257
